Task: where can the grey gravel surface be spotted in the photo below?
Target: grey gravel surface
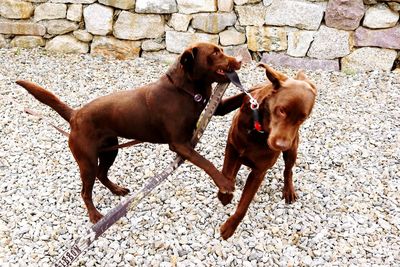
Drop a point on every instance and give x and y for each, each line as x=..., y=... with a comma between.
x=347, y=178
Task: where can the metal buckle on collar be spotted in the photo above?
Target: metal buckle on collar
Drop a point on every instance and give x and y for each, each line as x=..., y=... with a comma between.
x=197, y=97
x=234, y=78
x=253, y=103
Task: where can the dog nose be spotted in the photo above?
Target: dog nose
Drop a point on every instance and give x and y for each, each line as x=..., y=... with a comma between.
x=236, y=62
x=282, y=144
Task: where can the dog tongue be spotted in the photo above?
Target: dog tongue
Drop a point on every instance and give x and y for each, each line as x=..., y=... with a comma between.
x=234, y=78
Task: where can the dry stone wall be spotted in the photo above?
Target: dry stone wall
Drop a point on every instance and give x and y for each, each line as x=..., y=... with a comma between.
x=351, y=35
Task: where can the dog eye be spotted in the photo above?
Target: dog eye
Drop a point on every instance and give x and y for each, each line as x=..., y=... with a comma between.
x=280, y=111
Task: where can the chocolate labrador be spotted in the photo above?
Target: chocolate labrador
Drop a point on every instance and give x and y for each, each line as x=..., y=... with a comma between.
x=165, y=111
x=258, y=136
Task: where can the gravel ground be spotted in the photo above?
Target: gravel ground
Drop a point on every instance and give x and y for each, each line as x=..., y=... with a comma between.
x=347, y=178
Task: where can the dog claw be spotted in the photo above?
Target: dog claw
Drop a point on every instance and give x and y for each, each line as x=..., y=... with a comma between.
x=225, y=198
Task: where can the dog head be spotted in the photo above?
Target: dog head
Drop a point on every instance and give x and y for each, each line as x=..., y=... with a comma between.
x=287, y=106
x=207, y=62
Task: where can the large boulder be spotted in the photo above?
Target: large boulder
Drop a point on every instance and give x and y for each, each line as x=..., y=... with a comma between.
x=121, y=4
x=225, y=5
x=380, y=16
x=180, y=22
x=245, y=2
x=266, y=38
x=253, y=15
x=213, y=22
x=27, y=41
x=369, y=58
x=330, y=43
x=71, y=1
x=153, y=45
x=83, y=35
x=74, y=12
x=302, y=15
x=196, y=6
x=344, y=14
x=394, y=6
x=156, y=6
x=3, y=42
x=132, y=26
x=98, y=19
x=176, y=42
x=231, y=37
x=299, y=42
x=50, y=11
x=282, y=60
x=22, y=28
x=13, y=9
x=112, y=47
x=241, y=51
x=60, y=26
x=67, y=44
x=385, y=38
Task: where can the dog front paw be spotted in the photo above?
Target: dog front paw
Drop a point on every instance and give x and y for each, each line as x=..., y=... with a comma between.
x=289, y=195
x=226, y=186
x=95, y=216
x=225, y=198
x=228, y=228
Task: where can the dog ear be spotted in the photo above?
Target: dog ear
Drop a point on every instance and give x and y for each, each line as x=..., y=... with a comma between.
x=188, y=58
x=303, y=77
x=274, y=76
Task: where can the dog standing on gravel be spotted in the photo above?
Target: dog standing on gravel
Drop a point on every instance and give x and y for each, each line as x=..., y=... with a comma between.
x=258, y=136
x=165, y=111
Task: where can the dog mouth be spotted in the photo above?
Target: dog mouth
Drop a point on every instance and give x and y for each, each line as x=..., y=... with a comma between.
x=221, y=72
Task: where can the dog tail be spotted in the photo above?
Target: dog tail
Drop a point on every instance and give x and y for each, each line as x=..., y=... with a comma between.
x=48, y=98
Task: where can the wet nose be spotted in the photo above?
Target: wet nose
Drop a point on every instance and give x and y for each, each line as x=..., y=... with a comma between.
x=236, y=62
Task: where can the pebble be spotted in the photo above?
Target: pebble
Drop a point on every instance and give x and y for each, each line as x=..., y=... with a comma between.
x=347, y=177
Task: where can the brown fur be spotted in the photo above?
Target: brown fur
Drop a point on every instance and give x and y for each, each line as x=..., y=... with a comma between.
x=284, y=105
x=160, y=112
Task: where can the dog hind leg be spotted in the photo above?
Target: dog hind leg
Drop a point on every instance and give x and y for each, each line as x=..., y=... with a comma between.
x=106, y=159
x=85, y=155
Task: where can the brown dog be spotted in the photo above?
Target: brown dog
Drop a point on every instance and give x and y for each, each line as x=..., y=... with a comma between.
x=284, y=105
x=165, y=111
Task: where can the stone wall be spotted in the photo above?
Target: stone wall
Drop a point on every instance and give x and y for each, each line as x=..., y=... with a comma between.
x=350, y=35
